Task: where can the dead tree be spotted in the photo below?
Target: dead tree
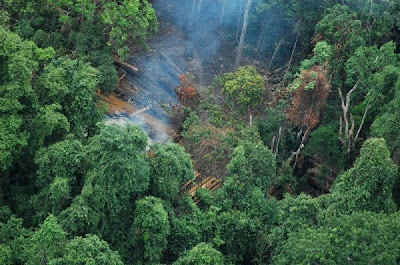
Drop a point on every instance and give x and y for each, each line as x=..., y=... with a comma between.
x=277, y=46
x=239, y=21
x=263, y=32
x=276, y=141
x=295, y=155
x=347, y=124
x=125, y=66
x=223, y=10
x=194, y=4
x=199, y=7
x=292, y=54
x=243, y=34
x=308, y=104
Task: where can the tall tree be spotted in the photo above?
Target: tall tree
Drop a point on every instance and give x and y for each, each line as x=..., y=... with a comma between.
x=359, y=238
x=310, y=92
x=149, y=231
x=372, y=74
x=117, y=174
x=15, y=239
x=60, y=171
x=17, y=66
x=341, y=28
x=369, y=184
x=387, y=124
x=252, y=165
x=245, y=87
x=201, y=254
x=88, y=250
x=71, y=84
x=243, y=34
x=170, y=167
x=48, y=242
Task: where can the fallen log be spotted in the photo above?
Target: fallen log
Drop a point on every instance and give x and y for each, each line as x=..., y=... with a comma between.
x=125, y=66
x=140, y=111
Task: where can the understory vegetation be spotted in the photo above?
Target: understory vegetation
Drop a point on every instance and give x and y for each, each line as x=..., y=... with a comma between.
x=303, y=135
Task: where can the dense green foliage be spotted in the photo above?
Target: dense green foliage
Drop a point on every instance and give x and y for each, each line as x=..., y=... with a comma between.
x=245, y=87
x=89, y=30
x=314, y=180
x=359, y=238
x=170, y=167
x=202, y=254
x=88, y=250
x=149, y=231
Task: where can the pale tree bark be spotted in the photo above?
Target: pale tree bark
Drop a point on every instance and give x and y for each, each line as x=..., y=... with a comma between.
x=346, y=131
x=250, y=116
x=275, y=142
x=239, y=22
x=291, y=56
x=262, y=33
x=347, y=124
x=277, y=46
x=250, y=119
x=296, y=154
x=243, y=34
x=193, y=14
x=125, y=66
x=264, y=42
x=278, y=141
x=199, y=7
x=362, y=123
x=194, y=3
x=223, y=10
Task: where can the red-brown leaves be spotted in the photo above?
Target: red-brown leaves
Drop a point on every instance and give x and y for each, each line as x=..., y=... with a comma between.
x=185, y=90
x=309, y=98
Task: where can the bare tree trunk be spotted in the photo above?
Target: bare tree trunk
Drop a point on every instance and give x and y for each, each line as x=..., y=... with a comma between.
x=370, y=8
x=239, y=22
x=193, y=13
x=199, y=7
x=250, y=116
x=277, y=46
x=125, y=66
x=194, y=3
x=296, y=154
x=243, y=34
x=262, y=33
x=264, y=42
x=346, y=132
x=361, y=124
x=273, y=143
x=291, y=56
x=122, y=77
x=277, y=142
x=223, y=11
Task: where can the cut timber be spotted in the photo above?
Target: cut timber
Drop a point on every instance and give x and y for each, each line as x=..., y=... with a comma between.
x=210, y=183
x=115, y=104
x=125, y=66
x=140, y=111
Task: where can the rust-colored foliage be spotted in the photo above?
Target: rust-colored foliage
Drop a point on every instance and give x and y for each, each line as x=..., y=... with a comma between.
x=189, y=97
x=185, y=90
x=309, y=98
x=317, y=38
